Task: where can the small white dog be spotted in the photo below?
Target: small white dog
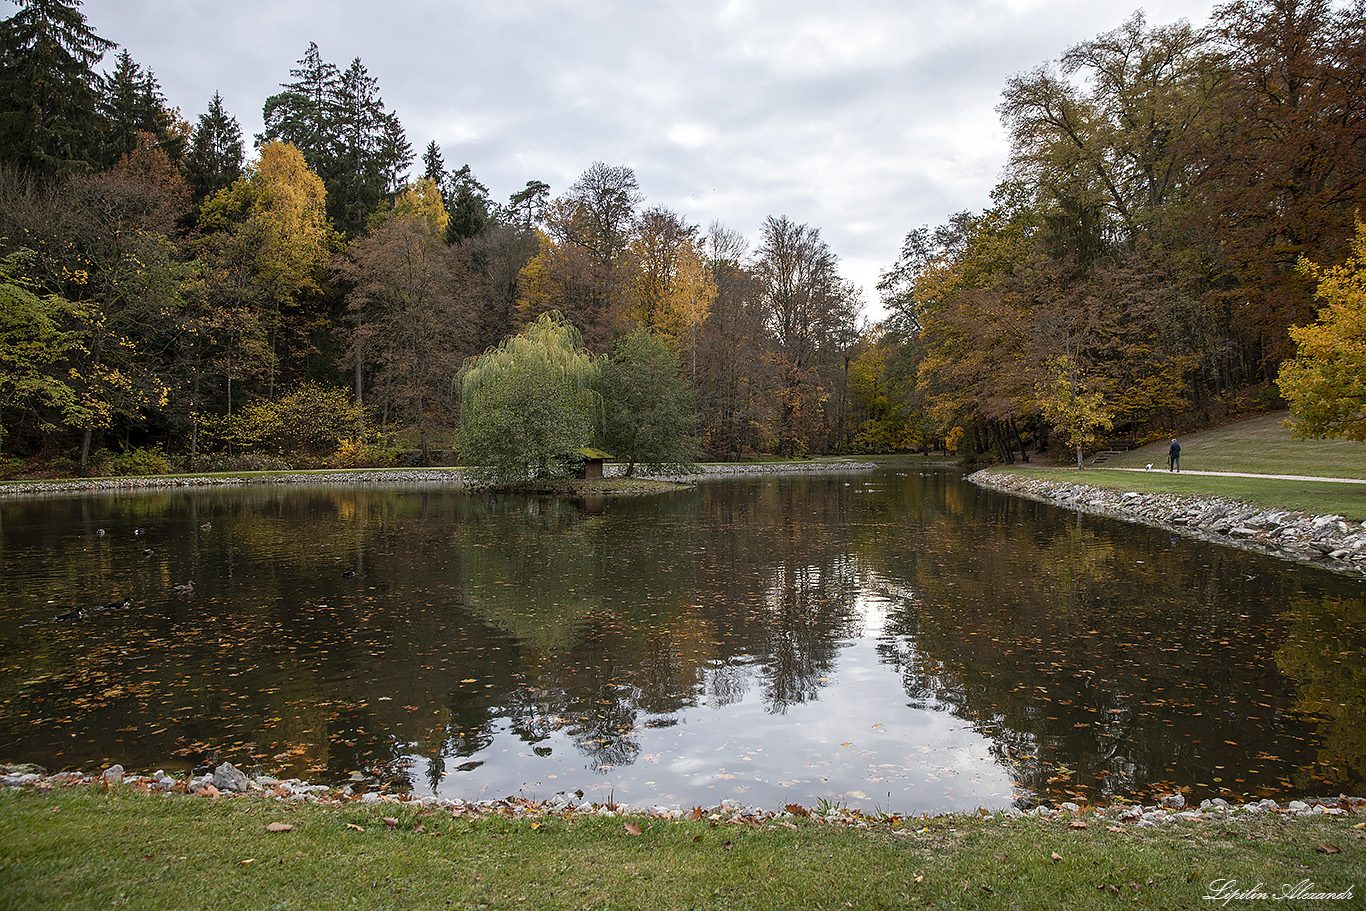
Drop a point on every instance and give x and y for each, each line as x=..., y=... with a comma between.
x=1150, y=467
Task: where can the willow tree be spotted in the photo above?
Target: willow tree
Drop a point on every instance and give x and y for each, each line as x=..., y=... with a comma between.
x=528, y=405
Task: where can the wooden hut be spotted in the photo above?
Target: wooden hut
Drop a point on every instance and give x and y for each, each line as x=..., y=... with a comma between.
x=593, y=460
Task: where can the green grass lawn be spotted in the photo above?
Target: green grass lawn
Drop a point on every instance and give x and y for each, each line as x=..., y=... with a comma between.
x=82, y=848
x=1258, y=445
x=1314, y=497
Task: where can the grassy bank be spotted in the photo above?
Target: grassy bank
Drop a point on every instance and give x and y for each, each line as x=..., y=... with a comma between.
x=1347, y=500
x=83, y=848
x=1260, y=445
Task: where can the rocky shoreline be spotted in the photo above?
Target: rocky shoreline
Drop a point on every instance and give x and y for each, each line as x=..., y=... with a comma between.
x=446, y=477
x=227, y=781
x=1330, y=542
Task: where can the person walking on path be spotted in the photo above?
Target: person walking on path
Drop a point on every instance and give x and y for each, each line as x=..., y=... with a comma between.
x=1174, y=457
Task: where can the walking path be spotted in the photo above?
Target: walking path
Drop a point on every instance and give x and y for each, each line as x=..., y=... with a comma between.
x=1239, y=474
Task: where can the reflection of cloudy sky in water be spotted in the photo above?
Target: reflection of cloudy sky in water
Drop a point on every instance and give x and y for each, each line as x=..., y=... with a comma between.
x=851, y=745
x=726, y=641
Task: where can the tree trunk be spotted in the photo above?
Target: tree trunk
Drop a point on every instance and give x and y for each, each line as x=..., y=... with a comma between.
x=1002, y=448
x=1024, y=453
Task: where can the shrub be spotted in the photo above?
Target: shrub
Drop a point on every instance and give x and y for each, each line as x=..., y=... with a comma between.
x=359, y=454
x=310, y=420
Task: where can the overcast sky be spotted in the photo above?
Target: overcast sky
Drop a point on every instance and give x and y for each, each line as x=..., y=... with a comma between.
x=862, y=118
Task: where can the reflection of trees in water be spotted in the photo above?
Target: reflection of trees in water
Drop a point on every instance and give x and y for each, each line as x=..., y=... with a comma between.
x=806, y=611
x=1068, y=642
x=726, y=684
x=633, y=614
x=1096, y=666
x=1325, y=654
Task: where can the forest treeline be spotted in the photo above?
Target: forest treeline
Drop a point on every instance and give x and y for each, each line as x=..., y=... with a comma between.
x=167, y=294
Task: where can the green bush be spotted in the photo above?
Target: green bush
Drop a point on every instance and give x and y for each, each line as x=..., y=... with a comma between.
x=135, y=462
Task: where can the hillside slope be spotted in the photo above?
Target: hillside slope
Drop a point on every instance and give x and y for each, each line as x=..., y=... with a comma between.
x=1258, y=445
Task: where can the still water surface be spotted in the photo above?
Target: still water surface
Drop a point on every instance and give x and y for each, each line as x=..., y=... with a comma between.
x=897, y=641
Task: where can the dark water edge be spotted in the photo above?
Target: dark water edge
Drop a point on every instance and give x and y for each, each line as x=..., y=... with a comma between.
x=905, y=641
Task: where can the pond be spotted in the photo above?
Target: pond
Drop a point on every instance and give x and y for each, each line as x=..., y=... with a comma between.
x=899, y=641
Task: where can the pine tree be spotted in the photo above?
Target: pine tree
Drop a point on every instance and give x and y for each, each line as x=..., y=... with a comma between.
x=338, y=121
x=130, y=101
x=216, y=154
x=434, y=168
x=469, y=207
x=49, y=124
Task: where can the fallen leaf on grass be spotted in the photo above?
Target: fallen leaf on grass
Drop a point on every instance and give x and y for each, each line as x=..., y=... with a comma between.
x=352, y=825
x=249, y=860
x=1114, y=828
x=1077, y=824
x=279, y=827
x=1328, y=849
x=632, y=828
x=1056, y=857
x=390, y=821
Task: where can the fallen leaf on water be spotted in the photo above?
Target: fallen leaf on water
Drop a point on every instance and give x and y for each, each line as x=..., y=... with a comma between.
x=279, y=827
x=632, y=829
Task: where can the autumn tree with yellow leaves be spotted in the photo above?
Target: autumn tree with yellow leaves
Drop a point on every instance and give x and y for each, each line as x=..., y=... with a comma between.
x=1325, y=382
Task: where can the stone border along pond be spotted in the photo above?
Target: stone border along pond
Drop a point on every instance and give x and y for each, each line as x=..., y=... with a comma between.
x=444, y=476
x=1329, y=542
x=228, y=781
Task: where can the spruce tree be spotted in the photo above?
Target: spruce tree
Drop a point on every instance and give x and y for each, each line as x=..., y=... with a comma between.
x=216, y=153
x=130, y=102
x=49, y=123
